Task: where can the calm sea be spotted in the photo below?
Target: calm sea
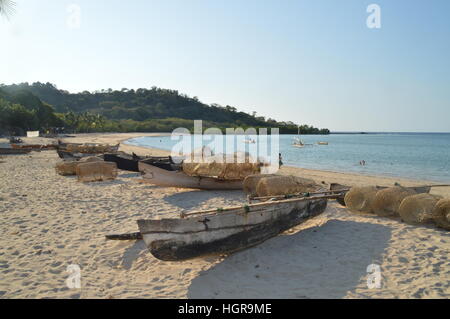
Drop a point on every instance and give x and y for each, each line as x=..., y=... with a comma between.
x=423, y=156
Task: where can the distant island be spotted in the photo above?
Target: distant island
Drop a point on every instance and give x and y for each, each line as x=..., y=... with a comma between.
x=42, y=106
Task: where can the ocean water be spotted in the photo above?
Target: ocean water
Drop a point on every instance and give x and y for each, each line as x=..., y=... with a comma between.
x=423, y=156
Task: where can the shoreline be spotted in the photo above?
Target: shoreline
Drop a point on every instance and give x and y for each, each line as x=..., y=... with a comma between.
x=295, y=170
x=330, y=176
x=49, y=222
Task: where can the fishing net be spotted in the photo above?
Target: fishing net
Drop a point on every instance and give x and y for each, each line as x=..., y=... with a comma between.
x=360, y=199
x=441, y=213
x=284, y=185
x=96, y=171
x=418, y=209
x=387, y=201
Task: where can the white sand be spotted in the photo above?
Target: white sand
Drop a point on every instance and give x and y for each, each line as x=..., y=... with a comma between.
x=49, y=222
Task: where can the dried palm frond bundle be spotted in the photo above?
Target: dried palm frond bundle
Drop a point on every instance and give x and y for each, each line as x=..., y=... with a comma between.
x=360, y=199
x=441, y=213
x=387, y=201
x=96, y=171
x=284, y=185
x=418, y=209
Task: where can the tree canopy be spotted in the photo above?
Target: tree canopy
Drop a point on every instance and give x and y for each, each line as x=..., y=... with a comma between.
x=149, y=110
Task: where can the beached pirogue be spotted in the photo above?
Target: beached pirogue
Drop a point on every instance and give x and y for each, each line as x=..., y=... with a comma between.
x=168, y=174
x=226, y=230
x=216, y=173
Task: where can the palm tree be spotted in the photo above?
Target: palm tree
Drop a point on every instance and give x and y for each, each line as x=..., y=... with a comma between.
x=7, y=7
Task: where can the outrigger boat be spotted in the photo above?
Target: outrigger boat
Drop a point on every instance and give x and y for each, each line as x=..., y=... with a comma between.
x=165, y=172
x=226, y=230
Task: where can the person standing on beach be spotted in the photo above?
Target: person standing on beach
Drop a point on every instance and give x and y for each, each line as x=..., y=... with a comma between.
x=280, y=160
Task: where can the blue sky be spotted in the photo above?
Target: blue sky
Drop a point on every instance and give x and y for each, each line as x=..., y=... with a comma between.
x=313, y=62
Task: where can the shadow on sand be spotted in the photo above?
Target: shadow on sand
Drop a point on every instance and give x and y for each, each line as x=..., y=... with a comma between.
x=319, y=262
x=132, y=253
x=192, y=199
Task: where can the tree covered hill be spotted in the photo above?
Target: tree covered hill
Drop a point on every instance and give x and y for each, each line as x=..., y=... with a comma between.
x=152, y=109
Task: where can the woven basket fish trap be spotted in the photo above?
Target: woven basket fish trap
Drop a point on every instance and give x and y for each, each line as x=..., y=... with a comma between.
x=418, y=209
x=387, y=201
x=441, y=213
x=360, y=199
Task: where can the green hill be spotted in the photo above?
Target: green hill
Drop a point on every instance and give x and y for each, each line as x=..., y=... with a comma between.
x=150, y=110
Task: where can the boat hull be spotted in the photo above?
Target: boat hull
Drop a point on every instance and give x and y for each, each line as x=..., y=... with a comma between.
x=126, y=163
x=166, y=178
x=13, y=151
x=181, y=239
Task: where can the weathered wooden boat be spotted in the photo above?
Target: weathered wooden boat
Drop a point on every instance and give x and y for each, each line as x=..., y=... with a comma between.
x=169, y=174
x=65, y=155
x=34, y=147
x=87, y=148
x=13, y=151
x=224, y=230
x=124, y=161
x=130, y=163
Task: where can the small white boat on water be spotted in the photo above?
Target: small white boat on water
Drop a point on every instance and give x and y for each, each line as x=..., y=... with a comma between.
x=249, y=141
x=298, y=142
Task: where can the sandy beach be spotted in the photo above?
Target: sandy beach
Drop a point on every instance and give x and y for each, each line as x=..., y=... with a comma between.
x=49, y=222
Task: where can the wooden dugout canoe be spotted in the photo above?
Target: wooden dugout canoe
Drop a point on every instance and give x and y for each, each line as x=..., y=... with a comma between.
x=130, y=163
x=227, y=230
x=13, y=151
x=34, y=147
x=167, y=174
